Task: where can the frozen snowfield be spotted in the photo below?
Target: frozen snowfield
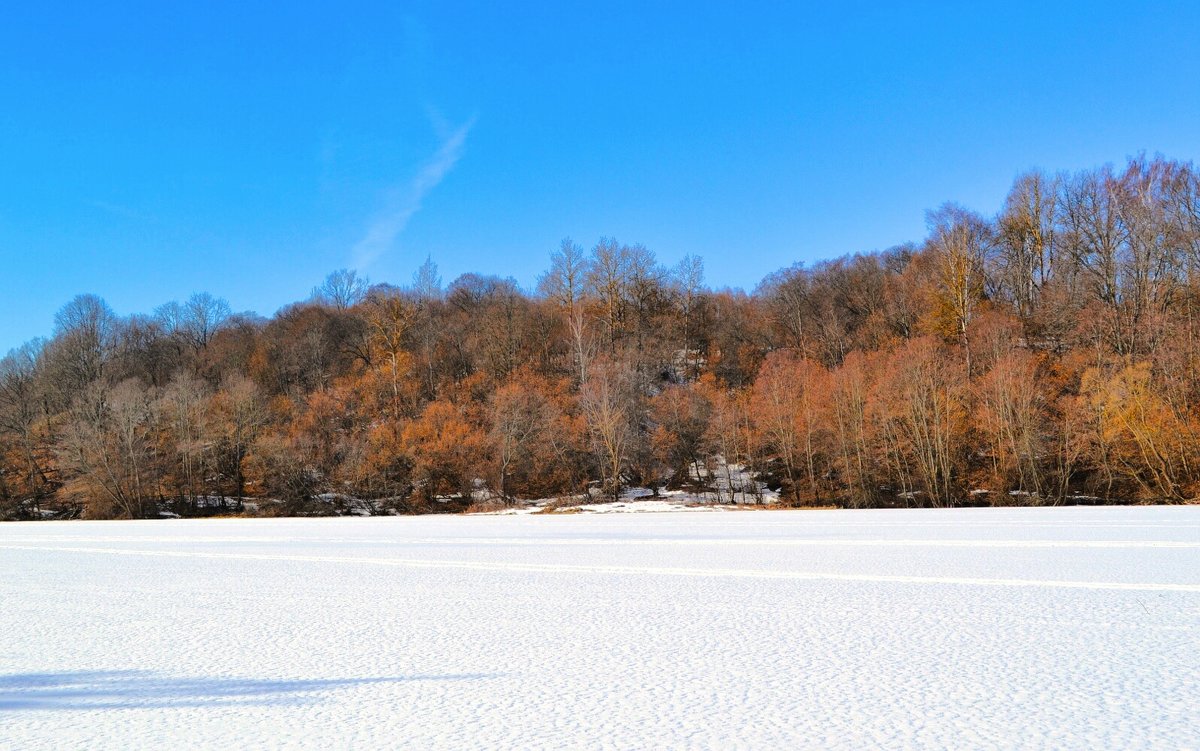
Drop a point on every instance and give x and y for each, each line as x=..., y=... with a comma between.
x=976, y=628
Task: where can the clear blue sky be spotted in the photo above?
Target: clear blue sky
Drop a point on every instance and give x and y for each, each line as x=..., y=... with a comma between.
x=149, y=150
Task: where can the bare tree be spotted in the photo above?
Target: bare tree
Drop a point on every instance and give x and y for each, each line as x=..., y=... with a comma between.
x=960, y=240
x=609, y=401
x=239, y=415
x=21, y=411
x=85, y=339
x=427, y=285
x=107, y=450
x=203, y=317
x=390, y=317
x=608, y=280
x=688, y=281
x=183, y=405
x=1028, y=244
x=342, y=289
x=565, y=283
x=922, y=401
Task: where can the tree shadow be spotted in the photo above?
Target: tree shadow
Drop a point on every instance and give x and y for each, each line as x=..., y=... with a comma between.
x=141, y=689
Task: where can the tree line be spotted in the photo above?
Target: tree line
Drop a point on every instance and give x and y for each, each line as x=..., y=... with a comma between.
x=1044, y=355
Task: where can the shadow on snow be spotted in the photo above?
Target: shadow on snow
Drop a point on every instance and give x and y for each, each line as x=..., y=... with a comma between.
x=140, y=689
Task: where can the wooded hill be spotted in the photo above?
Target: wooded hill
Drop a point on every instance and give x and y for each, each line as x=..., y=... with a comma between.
x=1044, y=355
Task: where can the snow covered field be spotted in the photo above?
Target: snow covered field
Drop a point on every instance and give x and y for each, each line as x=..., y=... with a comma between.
x=974, y=628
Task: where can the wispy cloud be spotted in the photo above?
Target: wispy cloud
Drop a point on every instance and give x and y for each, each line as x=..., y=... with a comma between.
x=406, y=200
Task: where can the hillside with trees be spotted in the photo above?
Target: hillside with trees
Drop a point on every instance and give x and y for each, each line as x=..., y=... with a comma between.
x=1045, y=355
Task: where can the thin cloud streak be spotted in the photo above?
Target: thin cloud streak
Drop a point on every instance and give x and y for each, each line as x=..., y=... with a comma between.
x=383, y=230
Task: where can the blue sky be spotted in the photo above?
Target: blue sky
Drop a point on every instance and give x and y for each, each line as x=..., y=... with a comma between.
x=148, y=151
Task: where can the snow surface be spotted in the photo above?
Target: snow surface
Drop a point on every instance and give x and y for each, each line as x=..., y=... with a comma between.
x=973, y=628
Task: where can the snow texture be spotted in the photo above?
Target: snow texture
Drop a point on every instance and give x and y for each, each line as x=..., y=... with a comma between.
x=974, y=628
